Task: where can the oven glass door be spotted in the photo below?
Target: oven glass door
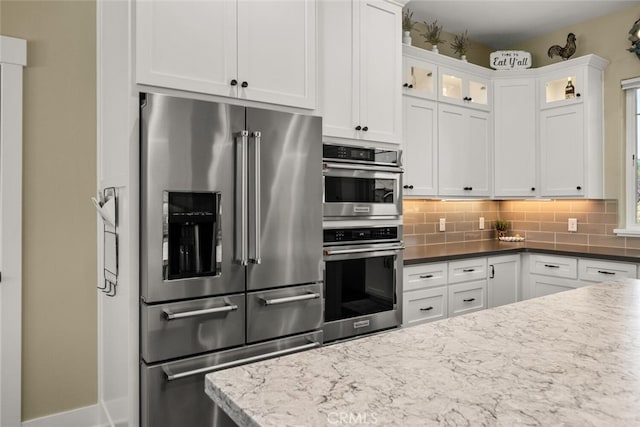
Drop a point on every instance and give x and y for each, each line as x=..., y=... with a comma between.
x=358, y=285
x=349, y=191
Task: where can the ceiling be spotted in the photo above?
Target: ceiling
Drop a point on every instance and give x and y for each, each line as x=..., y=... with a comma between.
x=502, y=23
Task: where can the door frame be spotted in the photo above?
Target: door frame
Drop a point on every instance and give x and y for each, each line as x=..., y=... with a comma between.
x=13, y=55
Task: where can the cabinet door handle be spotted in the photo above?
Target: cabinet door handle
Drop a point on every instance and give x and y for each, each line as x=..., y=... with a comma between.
x=606, y=272
x=410, y=86
x=469, y=300
x=426, y=276
x=244, y=84
x=366, y=128
x=493, y=272
x=551, y=266
x=578, y=188
x=358, y=127
x=577, y=95
x=468, y=270
x=405, y=85
x=234, y=82
x=411, y=187
x=470, y=99
x=533, y=188
x=426, y=309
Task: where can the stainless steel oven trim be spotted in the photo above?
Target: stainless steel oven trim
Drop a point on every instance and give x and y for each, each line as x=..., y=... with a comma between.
x=366, y=162
x=371, y=224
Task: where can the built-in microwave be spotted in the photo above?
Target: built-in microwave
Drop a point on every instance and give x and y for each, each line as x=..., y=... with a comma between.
x=361, y=182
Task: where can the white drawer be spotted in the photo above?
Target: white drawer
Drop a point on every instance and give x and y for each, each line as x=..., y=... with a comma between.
x=467, y=269
x=546, y=285
x=556, y=266
x=595, y=270
x=424, y=276
x=467, y=297
x=425, y=305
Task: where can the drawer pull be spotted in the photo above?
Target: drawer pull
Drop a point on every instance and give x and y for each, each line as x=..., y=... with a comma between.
x=468, y=270
x=169, y=315
x=469, y=300
x=551, y=266
x=426, y=276
x=426, y=309
x=606, y=272
x=290, y=299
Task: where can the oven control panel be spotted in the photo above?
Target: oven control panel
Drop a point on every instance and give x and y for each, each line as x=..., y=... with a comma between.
x=343, y=235
x=351, y=154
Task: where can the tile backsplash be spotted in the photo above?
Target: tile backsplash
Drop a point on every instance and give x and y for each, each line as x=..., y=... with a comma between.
x=536, y=221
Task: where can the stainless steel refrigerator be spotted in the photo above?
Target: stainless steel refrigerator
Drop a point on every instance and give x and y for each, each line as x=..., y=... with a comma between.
x=230, y=247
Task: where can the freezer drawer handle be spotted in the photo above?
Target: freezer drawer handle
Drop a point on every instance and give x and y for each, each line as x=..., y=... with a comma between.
x=169, y=315
x=312, y=295
x=171, y=377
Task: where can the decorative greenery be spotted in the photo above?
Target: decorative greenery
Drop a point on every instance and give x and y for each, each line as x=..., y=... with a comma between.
x=460, y=44
x=502, y=224
x=432, y=34
x=407, y=23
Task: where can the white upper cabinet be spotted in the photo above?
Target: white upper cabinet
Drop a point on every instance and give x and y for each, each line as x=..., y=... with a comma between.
x=360, y=70
x=420, y=147
x=515, y=136
x=465, y=88
x=260, y=51
x=464, y=151
x=572, y=128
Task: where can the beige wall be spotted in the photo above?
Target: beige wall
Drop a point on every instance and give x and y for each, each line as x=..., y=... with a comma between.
x=59, y=363
x=478, y=53
x=606, y=37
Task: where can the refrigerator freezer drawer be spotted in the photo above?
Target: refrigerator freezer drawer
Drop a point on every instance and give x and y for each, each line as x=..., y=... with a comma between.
x=172, y=394
x=284, y=311
x=182, y=328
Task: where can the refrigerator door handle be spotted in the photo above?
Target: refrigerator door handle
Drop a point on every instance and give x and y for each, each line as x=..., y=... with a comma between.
x=241, y=198
x=255, y=259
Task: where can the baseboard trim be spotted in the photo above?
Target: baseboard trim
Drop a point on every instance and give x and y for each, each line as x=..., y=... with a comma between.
x=88, y=416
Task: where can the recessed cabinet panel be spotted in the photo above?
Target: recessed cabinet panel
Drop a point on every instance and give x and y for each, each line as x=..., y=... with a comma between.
x=277, y=66
x=595, y=270
x=424, y=305
x=467, y=297
x=515, y=138
x=189, y=46
x=420, y=147
x=562, y=152
x=424, y=276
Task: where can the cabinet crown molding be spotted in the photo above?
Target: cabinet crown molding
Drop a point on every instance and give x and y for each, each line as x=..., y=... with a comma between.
x=13, y=51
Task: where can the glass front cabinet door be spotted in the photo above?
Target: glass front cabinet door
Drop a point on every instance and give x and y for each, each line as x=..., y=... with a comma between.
x=464, y=89
x=420, y=78
x=566, y=86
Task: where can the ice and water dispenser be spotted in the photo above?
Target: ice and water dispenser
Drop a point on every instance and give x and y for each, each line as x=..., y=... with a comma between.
x=192, y=242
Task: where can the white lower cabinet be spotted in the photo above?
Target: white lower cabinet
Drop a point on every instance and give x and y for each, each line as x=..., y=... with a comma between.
x=467, y=297
x=549, y=274
x=424, y=305
x=503, y=284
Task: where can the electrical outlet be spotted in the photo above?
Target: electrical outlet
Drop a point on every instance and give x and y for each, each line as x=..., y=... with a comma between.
x=443, y=222
x=573, y=224
x=481, y=223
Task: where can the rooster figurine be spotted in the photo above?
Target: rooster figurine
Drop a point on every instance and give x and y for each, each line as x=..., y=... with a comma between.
x=566, y=51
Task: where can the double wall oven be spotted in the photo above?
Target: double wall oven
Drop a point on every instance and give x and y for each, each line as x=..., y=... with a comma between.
x=362, y=239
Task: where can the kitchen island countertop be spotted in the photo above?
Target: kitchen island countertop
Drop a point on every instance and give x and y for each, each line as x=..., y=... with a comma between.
x=571, y=358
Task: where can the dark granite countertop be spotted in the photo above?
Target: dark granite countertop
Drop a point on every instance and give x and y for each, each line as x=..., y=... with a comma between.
x=451, y=251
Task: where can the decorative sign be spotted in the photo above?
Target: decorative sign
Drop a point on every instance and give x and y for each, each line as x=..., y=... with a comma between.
x=510, y=60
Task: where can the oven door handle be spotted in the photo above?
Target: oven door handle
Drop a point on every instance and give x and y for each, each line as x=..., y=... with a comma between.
x=328, y=166
x=362, y=250
x=170, y=315
x=206, y=370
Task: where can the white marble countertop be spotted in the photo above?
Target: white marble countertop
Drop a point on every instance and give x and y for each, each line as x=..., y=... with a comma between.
x=570, y=359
